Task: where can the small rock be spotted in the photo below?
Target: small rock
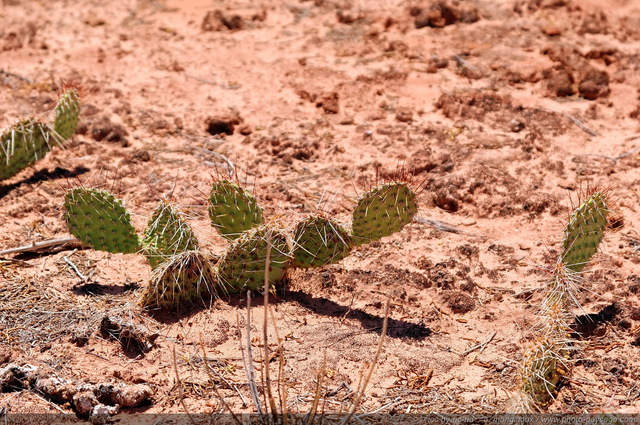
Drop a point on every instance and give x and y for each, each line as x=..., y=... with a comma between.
x=552, y=30
x=516, y=125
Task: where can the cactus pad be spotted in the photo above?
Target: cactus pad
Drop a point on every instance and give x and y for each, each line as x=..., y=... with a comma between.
x=382, y=212
x=584, y=232
x=319, y=241
x=67, y=113
x=23, y=144
x=184, y=279
x=243, y=265
x=543, y=369
x=167, y=234
x=99, y=220
x=232, y=209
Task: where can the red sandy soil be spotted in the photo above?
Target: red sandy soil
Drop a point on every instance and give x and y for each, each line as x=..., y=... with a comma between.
x=504, y=110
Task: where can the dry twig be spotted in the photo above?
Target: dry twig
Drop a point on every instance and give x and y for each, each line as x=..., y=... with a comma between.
x=39, y=246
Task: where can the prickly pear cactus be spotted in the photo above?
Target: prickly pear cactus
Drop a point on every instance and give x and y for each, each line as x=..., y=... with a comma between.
x=584, y=232
x=23, y=145
x=544, y=367
x=243, y=265
x=318, y=241
x=383, y=211
x=185, y=278
x=99, y=220
x=232, y=209
x=67, y=113
x=167, y=234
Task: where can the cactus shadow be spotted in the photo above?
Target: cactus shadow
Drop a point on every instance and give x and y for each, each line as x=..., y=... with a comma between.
x=92, y=289
x=42, y=175
x=593, y=325
x=396, y=328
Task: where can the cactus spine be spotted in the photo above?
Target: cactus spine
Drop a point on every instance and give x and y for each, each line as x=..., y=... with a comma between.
x=28, y=141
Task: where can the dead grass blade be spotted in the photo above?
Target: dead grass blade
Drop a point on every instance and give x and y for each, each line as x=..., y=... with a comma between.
x=215, y=387
x=265, y=337
x=316, y=397
x=180, y=390
x=374, y=362
x=248, y=362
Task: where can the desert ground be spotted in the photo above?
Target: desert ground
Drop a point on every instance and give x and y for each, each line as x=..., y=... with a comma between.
x=504, y=113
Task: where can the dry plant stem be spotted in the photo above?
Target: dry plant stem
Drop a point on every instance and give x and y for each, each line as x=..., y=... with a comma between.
x=316, y=398
x=248, y=362
x=74, y=267
x=180, y=391
x=215, y=387
x=441, y=226
x=575, y=121
x=481, y=346
x=16, y=76
x=282, y=391
x=37, y=246
x=265, y=360
x=361, y=391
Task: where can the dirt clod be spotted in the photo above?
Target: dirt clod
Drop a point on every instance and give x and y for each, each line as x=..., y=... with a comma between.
x=459, y=302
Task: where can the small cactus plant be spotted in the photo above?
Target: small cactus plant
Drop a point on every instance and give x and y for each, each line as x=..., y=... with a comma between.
x=99, y=220
x=256, y=249
x=28, y=141
x=185, y=278
x=548, y=360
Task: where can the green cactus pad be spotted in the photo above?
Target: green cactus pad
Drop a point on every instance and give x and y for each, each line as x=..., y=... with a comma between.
x=23, y=144
x=319, y=241
x=167, y=234
x=232, y=209
x=543, y=370
x=243, y=265
x=67, y=113
x=585, y=231
x=182, y=280
x=99, y=220
x=382, y=212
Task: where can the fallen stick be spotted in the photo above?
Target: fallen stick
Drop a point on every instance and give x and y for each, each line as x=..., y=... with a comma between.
x=38, y=246
x=441, y=226
x=575, y=121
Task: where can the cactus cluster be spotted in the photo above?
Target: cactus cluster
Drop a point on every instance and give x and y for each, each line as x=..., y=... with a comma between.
x=256, y=249
x=547, y=361
x=29, y=140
